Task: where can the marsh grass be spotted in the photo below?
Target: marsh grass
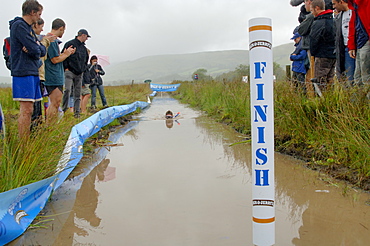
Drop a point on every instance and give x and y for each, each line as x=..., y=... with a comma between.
x=337, y=126
x=226, y=102
x=121, y=95
x=27, y=161
x=6, y=100
x=333, y=131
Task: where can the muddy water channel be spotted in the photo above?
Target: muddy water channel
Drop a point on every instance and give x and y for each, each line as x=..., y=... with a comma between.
x=180, y=183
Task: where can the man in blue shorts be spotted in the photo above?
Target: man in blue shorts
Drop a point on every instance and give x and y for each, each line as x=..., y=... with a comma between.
x=25, y=55
x=54, y=70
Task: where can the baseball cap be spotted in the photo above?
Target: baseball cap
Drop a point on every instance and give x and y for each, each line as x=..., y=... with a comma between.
x=83, y=31
x=296, y=35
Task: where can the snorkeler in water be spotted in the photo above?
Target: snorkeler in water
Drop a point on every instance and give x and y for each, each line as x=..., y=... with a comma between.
x=169, y=114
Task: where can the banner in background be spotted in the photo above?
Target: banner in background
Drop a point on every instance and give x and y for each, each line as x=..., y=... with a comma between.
x=164, y=88
x=20, y=206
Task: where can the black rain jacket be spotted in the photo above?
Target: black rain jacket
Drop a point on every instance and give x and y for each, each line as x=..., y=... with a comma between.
x=77, y=62
x=322, y=36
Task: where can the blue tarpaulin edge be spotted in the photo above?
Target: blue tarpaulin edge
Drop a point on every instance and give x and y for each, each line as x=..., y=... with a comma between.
x=20, y=206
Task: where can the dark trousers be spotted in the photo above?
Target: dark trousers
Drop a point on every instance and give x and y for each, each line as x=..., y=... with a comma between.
x=36, y=117
x=76, y=80
x=324, y=72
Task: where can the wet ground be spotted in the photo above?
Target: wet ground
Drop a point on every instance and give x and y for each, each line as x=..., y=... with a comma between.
x=180, y=183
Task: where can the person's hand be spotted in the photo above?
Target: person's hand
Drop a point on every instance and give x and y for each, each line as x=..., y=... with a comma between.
x=70, y=50
x=25, y=49
x=97, y=70
x=73, y=50
x=352, y=54
x=50, y=37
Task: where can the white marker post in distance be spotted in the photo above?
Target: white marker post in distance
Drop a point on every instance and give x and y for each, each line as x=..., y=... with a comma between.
x=262, y=120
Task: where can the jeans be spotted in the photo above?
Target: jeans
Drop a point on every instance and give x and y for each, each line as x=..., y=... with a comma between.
x=349, y=65
x=101, y=93
x=76, y=80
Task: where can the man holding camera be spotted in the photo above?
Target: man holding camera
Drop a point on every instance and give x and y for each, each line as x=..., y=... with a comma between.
x=74, y=66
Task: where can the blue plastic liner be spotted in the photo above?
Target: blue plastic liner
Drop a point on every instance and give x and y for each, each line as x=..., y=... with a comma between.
x=20, y=206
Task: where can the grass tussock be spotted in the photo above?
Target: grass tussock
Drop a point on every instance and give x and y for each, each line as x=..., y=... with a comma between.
x=226, y=102
x=332, y=133
x=126, y=94
x=27, y=161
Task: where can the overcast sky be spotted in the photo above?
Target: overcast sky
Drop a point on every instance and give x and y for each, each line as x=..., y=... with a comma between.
x=131, y=29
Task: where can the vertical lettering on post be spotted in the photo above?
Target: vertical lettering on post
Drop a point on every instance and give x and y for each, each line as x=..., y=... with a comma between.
x=259, y=69
x=262, y=180
x=261, y=113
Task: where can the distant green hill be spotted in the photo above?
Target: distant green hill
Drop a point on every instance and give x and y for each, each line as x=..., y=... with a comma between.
x=165, y=68
x=281, y=54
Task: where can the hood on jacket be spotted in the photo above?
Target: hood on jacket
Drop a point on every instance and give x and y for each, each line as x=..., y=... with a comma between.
x=328, y=11
x=11, y=22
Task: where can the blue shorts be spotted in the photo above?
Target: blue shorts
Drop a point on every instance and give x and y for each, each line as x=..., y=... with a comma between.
x=26, y=89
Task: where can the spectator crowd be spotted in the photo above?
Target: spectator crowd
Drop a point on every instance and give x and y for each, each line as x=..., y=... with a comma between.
x=332, y=39
x=40, y=69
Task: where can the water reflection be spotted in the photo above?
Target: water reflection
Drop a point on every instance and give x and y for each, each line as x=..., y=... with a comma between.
x=87, y=196
x=83, y=219
x=169, y=123
x=303, y=216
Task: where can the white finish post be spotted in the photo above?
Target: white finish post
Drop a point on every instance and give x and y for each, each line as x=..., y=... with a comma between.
x=262, y=119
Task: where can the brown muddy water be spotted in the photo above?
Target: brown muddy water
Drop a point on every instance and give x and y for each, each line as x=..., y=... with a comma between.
x=180, y=183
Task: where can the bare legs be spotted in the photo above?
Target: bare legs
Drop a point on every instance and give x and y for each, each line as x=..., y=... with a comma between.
x=24, y=119
x=55, y=100
x=84, y=102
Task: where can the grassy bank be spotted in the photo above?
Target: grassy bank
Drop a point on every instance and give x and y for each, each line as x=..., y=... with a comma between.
x=25, y=162
x=331, y=133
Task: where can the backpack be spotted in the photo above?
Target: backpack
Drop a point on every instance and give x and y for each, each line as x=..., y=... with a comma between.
x=6, y=52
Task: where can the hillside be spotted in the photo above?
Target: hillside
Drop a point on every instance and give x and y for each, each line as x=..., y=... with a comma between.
x=165, y=68
x=281, y=54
